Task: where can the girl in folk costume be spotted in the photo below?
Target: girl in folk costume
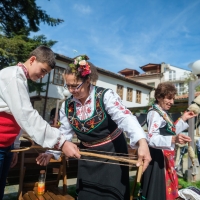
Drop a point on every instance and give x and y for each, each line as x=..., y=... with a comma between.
x=16, y=111
x=159, y=181
x=98, y=118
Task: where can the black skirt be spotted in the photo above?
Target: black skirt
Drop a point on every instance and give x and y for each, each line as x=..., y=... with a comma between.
x=97, y=180
x=153, y=180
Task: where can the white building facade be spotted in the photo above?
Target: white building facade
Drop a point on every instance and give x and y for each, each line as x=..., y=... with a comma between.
x=177, y=76
x=132, y=93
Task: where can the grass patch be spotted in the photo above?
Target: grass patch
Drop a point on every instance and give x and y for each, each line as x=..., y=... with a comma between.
x=184, y=184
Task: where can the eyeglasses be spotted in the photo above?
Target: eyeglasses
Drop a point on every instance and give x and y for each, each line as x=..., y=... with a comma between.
x=73, y=87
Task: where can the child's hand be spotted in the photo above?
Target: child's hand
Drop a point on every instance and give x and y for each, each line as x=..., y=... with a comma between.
x=44, y=158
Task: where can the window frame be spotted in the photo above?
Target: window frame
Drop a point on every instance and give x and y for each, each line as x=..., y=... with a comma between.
x=138, y=96
x=121, y=88
x=129, y=95
x=60, y=76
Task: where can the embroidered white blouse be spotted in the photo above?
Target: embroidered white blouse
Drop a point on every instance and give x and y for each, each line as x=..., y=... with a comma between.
x=155, y=121
x=15, y=100
x=114, y=107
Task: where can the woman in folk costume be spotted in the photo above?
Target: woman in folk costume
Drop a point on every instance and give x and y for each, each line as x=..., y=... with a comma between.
x=159, y=181
x=98, y=118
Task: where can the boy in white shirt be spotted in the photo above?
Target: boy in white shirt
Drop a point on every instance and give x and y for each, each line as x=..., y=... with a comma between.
x=16, y=111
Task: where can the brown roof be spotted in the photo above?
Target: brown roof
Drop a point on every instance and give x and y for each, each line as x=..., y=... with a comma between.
x=150, y=65
x=185, y=96
x=127, y=70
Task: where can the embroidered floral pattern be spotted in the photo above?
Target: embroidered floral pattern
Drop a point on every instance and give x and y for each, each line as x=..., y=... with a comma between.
x=119, y=105
x=75, y=116
x=57, y=145
x=170, y=175
x=83, y=111
x=24, y=69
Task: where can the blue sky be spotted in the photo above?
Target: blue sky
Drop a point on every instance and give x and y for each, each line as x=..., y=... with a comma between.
x=118, y=34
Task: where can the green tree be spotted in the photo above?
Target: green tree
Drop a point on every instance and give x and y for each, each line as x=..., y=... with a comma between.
x=191, y=77
x=24, y=16
x=151, y=101
x=17, y=20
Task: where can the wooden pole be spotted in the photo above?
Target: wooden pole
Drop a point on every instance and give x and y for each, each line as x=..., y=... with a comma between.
x=116, y=158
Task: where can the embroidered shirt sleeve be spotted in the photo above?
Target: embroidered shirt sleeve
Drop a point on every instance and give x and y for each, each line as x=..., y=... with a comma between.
x=65, y=127
x=180, y=125
x=16, y=96
x=155, y=121
x=123, y=117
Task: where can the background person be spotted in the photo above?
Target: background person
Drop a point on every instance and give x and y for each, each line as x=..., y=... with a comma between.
x=198, y=149
x=159, y=181
x=98, y=118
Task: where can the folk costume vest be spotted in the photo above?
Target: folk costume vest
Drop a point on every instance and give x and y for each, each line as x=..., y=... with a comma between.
x=100, y=122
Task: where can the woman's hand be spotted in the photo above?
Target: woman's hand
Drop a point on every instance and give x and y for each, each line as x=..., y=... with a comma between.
x=143, y=154
x=44, y=158
x=70, y=150
x=188, y=115
x=14, y=159
x=181, y=139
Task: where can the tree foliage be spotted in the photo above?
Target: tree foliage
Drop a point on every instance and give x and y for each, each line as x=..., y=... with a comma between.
x=24, y=16
x=191, y=77
x=18, y=48
x=18, y=18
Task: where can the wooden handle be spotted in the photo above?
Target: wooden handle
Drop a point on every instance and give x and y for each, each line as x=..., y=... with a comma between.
x=139, y=174
x=117, y=158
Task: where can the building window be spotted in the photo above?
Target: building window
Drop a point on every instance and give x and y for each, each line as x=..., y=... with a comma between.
x=180, y=88
x=138, y=96
x=152, y=84
x=172, y=75
x=129, y=96
x=120, y=91
x=57, y=76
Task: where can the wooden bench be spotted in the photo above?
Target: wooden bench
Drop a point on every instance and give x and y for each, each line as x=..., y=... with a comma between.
x=26, y=174
x=54, y=171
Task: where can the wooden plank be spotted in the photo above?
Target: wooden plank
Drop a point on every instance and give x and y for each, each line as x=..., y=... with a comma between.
x=32, y=195
x=26, y=197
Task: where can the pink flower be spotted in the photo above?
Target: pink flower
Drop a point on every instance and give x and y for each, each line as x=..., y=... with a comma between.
x=84, y=73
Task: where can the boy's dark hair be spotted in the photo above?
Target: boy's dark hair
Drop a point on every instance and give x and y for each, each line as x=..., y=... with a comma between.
x=44, y=54
x=165, y=90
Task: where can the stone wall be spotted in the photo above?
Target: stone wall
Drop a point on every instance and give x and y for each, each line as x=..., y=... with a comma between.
x=39, y=106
